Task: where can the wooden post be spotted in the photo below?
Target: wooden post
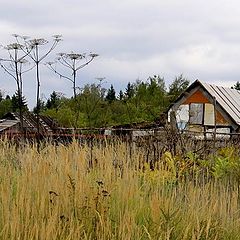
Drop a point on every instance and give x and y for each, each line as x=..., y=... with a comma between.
x=215, y=122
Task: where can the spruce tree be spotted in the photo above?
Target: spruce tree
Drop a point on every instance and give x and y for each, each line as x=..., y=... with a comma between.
x=129, y=91
x=120, y=95
x=17, y=101
x=53, y=102
x=111, y=94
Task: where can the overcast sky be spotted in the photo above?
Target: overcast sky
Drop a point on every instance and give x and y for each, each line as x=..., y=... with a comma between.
x=134, y=38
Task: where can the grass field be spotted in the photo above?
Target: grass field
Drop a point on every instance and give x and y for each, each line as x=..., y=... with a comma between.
x=77, y=192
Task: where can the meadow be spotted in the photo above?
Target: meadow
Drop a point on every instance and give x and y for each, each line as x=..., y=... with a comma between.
x=105, y=191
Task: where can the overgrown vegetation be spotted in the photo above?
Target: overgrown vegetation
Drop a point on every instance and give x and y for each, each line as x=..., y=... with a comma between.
x=99, y=107
x=95, y=106
x=109, y=191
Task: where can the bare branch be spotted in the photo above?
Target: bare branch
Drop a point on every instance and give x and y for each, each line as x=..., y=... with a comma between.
x=57, y=39
x=85, y=64
x=50, y=66
x=7, y=71
x=64, y=62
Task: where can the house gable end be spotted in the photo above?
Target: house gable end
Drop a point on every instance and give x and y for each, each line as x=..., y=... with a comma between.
x=196, y=97
x=197, y=93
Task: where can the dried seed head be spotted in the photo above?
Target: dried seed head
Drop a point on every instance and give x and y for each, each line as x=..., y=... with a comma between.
x=93, y=55
x=75, y=56
x=57, y=37
x=53, y=193
x=14, y=46
x=100, y=182
x=105, y=193
x=37, y=41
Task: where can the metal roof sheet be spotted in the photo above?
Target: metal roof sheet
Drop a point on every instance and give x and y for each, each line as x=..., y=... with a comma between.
x=228, y=98
x=5, y=123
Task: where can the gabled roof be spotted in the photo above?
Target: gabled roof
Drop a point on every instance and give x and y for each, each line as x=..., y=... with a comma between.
x=227, y=98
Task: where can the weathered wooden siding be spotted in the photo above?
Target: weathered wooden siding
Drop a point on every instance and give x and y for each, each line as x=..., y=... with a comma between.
x=196, y=97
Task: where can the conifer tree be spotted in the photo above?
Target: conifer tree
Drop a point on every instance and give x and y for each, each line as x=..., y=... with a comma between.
x=19, y=102
x=236, y=86
x=129, y=91
x=120, y=95
x=111, y=94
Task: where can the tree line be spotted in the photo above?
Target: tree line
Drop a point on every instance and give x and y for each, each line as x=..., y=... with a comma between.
x=96, y=106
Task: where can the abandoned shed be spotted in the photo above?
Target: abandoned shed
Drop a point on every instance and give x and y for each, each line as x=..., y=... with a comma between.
x=207, y=108
x=10, y=124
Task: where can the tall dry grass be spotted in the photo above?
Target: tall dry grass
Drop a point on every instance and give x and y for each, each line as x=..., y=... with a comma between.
x=60, y=194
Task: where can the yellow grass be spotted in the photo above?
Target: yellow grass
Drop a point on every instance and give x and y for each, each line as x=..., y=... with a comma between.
x=54, y=194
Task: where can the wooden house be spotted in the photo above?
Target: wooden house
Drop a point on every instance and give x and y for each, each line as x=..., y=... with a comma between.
x=207, y=108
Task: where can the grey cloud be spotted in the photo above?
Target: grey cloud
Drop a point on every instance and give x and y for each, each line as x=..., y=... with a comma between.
x=135, y=39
